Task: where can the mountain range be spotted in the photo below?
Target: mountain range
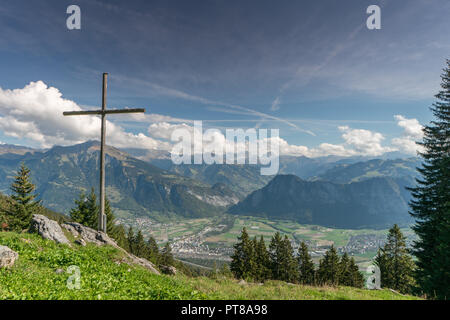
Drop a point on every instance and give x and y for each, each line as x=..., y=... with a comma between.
x=134, y=187
x=331, y=191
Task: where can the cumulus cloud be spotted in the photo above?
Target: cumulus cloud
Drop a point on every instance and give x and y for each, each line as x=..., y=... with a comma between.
x=35, y=113
x=412, y=132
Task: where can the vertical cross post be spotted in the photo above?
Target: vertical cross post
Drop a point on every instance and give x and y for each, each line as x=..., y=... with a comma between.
x=102, y=216
x=103, y=112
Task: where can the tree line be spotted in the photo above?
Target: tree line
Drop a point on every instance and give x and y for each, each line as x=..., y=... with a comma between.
x=252, y=260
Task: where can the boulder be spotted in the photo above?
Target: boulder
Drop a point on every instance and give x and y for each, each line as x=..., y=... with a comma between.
x=47, y=229
x=168, y=270
x=7, y=257
x=88, y=234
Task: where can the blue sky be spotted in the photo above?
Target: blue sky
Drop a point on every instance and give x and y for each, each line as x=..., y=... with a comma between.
x=310, y=68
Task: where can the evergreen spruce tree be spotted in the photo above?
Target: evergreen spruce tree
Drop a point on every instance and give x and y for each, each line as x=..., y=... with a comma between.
x=140, y=247
x=262, y=260
x=329, y=268
x=131, y=239
x=431, y=199
x=120, y=237
x=289, y=262
x=275, y=255
x=153, y=250
x=86, y=210
x=242, y=263
x=357, y=277
x=395, y=263
x=24, y=204
x=283, y=263
x=166, y=256
x=110, y=219
x=306, y=265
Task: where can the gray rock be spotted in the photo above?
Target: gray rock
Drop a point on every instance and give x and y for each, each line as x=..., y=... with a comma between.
x=7, y=257
x=59, y=271
x=168, y=270
x=87, y=234
x=48, y=229
x=71, y=229
x=81, y=242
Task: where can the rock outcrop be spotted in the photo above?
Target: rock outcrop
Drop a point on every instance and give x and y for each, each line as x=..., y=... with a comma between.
x=84, y=235
x=7, y=257
x=88, y=234
x=171, y=270
x=48, y=229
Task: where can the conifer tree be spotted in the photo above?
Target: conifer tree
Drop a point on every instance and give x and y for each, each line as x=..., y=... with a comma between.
x=153, y=250
x=131, y=239
x=140, y=247
x=262, y=260
x=348, y=271
x=357, y=279
x=120, y=236
x=306, y=265
x=24, y=204
x=329, y=268
x=431, y=199
x=166, y=256
x=289, y=262
x=110, y=219
x=86, y=210
x=275, y=255
x=242, y=264
x=283, y=263
x=395, y=263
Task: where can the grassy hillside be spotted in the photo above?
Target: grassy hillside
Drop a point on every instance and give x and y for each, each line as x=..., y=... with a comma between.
x=103, y=276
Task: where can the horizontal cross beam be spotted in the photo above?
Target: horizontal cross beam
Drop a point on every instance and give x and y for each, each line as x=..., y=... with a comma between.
x=81, y=113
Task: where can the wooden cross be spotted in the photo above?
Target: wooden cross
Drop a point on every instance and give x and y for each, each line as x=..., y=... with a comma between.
x=103, y=112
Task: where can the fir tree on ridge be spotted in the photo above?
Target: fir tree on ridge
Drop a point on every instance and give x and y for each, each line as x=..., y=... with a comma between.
x=431, y=199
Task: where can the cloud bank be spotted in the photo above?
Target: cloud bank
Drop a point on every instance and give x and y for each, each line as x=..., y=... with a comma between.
x=34, y=113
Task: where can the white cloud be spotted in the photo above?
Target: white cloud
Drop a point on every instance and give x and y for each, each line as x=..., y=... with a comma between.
x=35, y=113
x=412, y=132
x=276, y=104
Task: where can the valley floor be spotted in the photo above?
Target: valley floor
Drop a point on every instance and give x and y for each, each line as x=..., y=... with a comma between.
x=41, y=272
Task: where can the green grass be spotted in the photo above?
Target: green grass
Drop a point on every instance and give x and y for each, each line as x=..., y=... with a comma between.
x=226, y=288
x=34, y=276
x=104, y=277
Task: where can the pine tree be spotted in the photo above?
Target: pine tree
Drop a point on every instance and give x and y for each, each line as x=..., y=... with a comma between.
x=395, y=263
x=357, y=277
x=166, y=256
x=275, y=255
x=283, y=263
x=140, y=247
x=289, y=262
x=431, y=199
x=24, y=203
x=242, y=264
x=262, y=260
x=306, y=265
x=153, y=250
x=110, y=219
x=329, y=268
x=120, y=236
x=86, y=210
x=131, y=239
